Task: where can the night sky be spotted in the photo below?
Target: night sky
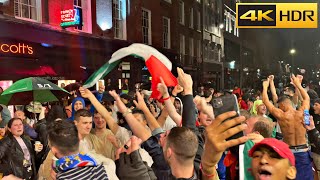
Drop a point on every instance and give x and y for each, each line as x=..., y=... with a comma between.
x=306, y=42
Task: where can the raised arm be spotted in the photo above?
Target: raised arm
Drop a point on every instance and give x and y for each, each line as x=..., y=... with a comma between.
x=169, y=104
x=163, y=117
x=202, y=106
x=271, y=108
x=152, y=122
x=313, y=133
x=101, y=109
x=297, y=95
x=306, y=99
x=273, y=89
x=137, y=128
x=189, y=113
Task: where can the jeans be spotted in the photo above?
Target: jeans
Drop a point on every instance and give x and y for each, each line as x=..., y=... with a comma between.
x=304, y=165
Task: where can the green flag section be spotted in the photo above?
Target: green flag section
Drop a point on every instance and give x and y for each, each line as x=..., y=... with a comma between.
x=245, y=161
x=100, y=73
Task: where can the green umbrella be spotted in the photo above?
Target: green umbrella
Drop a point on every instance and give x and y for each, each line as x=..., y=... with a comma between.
x=30, y=89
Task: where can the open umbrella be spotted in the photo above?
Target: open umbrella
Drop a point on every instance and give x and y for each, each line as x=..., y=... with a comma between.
x=30, y=89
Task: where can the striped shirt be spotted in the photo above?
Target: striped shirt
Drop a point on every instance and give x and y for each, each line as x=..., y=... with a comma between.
x=85, y=173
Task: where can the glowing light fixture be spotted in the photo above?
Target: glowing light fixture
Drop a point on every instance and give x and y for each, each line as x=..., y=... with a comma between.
x=104, y=14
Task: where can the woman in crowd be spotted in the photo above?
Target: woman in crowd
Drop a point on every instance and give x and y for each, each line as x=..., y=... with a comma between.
x=77, y=103
x=16, y=152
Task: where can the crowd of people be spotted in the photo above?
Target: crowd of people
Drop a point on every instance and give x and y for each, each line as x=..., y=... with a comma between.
x=105, y=134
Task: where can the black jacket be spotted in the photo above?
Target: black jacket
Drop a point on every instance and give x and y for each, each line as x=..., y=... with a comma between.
x=314, y=138
x=12, y=157
x=131, y=167
x=41, y=128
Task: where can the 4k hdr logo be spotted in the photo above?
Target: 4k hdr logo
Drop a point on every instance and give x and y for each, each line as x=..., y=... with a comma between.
x=277, y=15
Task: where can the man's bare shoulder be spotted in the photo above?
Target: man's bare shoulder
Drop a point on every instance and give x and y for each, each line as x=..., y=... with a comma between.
x=277, y=113
x=293, y=114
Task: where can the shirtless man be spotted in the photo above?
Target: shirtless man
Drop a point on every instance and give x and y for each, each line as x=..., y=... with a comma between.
x=290, y=123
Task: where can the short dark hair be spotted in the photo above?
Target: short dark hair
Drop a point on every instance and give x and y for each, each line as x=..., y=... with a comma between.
x=312, y=94
x=283, y=98
x=108, y=109
x=291, y=88
x=83, y=113
x=138, y=111
x=126, y=96
x=207, y=93
x=64, y=136
x=56, y=112
x=246, y=97
x=11, y=121
x=264, y=126
x=317, y=100
x=184, y=144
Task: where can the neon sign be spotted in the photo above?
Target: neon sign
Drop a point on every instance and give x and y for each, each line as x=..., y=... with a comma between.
x=19, y=48
x=71, y=17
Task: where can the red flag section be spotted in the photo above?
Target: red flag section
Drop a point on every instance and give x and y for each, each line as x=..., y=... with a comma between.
x=157, y=69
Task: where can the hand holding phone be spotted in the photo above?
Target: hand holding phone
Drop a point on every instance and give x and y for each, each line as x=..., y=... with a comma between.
x=225, y=104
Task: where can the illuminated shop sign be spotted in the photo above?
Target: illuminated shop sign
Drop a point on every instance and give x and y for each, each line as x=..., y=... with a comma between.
x=16, y=48
x=71, y=17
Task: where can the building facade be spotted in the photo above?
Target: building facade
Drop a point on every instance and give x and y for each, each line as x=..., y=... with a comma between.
x=250, y=54
x=186, y=31
x=212, y=43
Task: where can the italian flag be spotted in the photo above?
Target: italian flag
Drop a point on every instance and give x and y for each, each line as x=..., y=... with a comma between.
x=158, y=66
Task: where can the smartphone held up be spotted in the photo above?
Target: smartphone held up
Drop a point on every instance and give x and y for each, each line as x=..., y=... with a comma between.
x=225, y=104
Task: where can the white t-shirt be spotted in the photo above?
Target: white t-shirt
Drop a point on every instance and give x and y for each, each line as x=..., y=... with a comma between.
x=109, y=165
x=169, y=124
x=24, y=148
x=123, y=135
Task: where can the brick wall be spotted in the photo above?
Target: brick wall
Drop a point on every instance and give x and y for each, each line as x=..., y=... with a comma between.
x=7, y=8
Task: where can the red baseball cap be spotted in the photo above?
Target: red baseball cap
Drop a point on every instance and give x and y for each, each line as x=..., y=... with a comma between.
x=278, y=146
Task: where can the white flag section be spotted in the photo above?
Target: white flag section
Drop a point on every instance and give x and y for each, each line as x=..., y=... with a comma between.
x=141, y=50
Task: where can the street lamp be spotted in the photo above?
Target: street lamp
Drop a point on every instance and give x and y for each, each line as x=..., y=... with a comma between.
x=292, y=52
x=221, y=26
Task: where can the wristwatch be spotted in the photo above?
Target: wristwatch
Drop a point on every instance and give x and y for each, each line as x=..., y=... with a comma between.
x=127, y=112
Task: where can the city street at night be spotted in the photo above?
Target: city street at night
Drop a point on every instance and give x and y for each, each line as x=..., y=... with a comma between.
x=159, y=89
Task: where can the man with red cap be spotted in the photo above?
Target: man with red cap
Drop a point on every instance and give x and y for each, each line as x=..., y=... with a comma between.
x=272, y=159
